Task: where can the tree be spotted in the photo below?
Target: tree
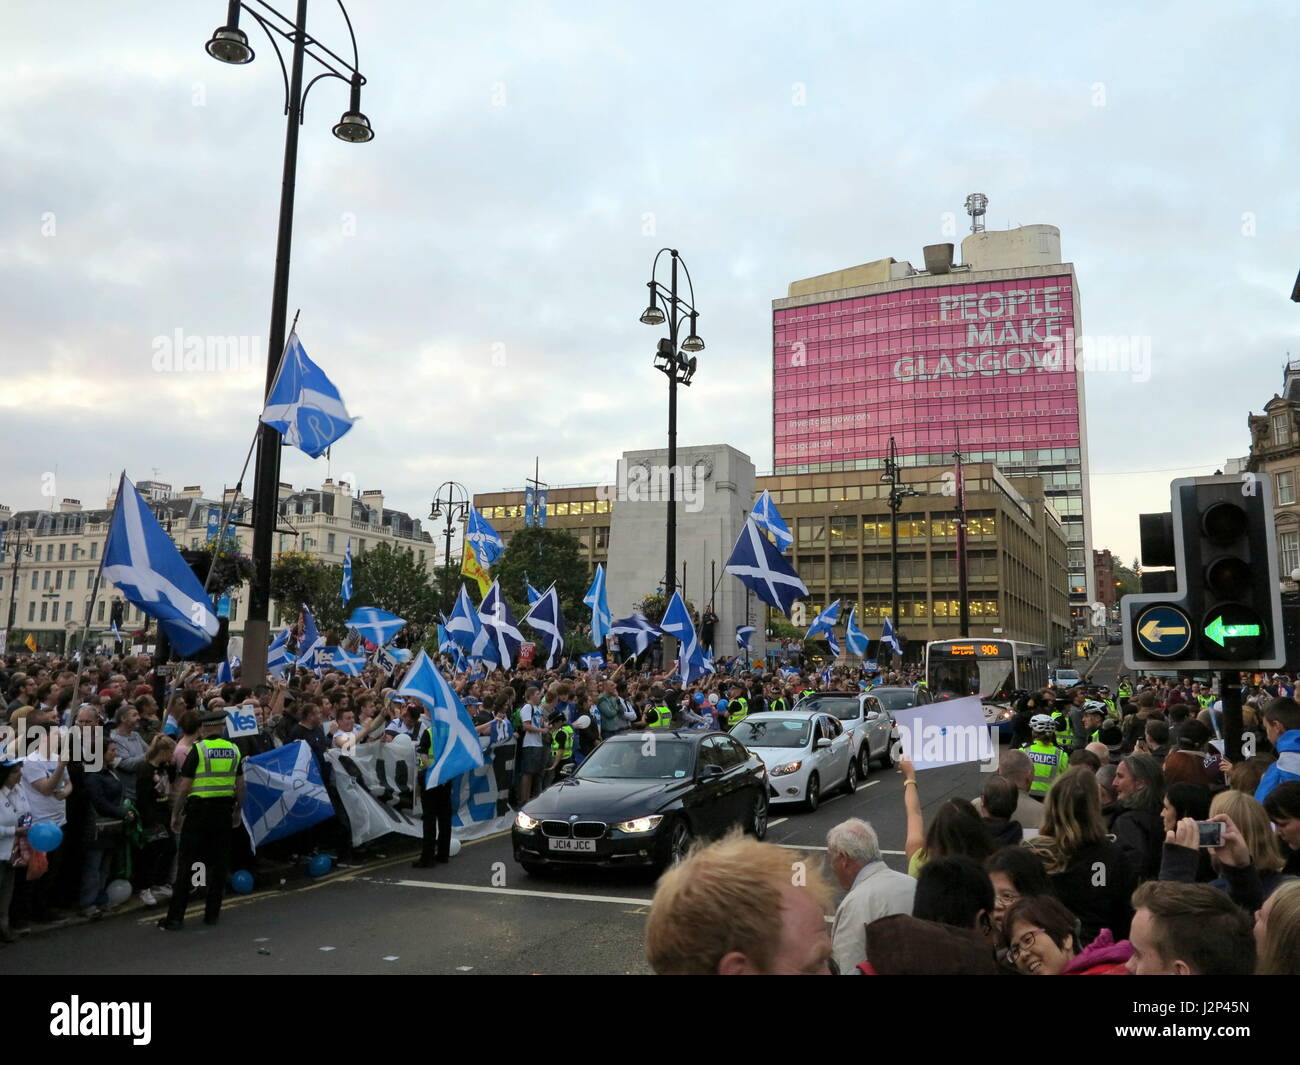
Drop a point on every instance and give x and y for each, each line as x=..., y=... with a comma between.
x=297, y=579
x=394, y=579
x=653, y=606
x=230, y=568
x=545, y=556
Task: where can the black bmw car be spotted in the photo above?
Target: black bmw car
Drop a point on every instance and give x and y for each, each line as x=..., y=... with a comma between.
x=641, y=799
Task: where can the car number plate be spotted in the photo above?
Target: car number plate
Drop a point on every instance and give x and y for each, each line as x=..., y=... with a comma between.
x=573, y=845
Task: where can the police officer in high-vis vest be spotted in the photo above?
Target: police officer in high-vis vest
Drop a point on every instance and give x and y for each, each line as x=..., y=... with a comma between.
x=206, y=808
x=659, y=717
x=737, y=705
x=776, y=700
x=562, y=743
x=1048, y=759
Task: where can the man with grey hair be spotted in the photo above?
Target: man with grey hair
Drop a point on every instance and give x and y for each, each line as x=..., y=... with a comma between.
x=1016, y=767
x=874, y=890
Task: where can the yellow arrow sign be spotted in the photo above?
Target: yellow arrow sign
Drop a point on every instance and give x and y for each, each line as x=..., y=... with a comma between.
x=1153, y=630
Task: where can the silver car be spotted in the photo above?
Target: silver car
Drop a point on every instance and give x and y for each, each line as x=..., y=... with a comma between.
x=866, y=719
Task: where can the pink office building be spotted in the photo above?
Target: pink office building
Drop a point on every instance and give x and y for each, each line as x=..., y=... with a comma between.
x=978, y=355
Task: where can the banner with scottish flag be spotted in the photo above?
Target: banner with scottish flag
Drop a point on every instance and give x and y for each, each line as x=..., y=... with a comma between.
x=769, y=518
x=487, y=542
x=823, y=626
x=544, y=617
x=762, y=569
x=635, y=634
x=498, y=620
x=283, y=793
x=855, y=637
x=304, y=405
x=465, y=627
x=375, y=625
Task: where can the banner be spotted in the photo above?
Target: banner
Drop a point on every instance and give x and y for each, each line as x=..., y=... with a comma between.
x=376, y=781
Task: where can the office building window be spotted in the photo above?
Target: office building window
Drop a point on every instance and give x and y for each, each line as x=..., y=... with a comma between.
x=1286, y=487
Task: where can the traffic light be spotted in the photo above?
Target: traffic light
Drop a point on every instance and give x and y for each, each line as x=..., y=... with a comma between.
x=1222, y=608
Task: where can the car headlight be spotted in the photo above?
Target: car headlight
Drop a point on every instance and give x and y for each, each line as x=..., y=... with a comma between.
x=641, y=824
x=787, y=769
x=1005, y=715
x=522, y=820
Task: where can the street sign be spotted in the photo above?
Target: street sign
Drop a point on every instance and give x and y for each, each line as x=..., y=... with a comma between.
x=1163, y=631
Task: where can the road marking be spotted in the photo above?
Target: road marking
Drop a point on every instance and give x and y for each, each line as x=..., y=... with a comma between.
x=778, y=821
x=523, y=892
x=868, y=784
x=810, y=847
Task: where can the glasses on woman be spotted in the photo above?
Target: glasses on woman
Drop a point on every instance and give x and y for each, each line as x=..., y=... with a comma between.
x=1006, y=899
x=1022, y=943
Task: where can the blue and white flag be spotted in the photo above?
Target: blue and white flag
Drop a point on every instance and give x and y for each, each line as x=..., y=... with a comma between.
x=392, y=657
x=544, y=617
x=855, y=637
x=763, y=571
x=789, y=672
x=465, y=627
x=345, y=589
x=141, y=559
x=283, y=793
x=312, y=642
x=824, y=626
x=598, y=600
x=743, y=633
x=454, y=746
x=304, y=405
x=117, y=633
x=594, y=661
x=278, y=658
x=677, y=622
x=889, y=638
x=377, y=626
x=488, y=545
x=350, y=663
x=504, y=637
x=769, y=518
x=635, y=634
x=826, y=676
x=532, y=593
x=226, y=671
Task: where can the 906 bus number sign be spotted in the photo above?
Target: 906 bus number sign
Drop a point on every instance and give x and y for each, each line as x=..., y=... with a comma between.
x=975, y=650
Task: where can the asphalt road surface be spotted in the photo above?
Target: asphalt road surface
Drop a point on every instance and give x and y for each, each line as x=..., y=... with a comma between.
x=479, y=914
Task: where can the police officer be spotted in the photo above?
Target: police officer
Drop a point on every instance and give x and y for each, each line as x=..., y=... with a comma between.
x=660, y=716
x=1048, y=759
x=207, y=807
x=776, y=701
x=1094, y=715
x=562, y=743
x=737, y=705
x=435, y=802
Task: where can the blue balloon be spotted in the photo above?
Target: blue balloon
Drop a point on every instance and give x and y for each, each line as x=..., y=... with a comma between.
x=320, y=865
x=45, y=836
x=242, y=881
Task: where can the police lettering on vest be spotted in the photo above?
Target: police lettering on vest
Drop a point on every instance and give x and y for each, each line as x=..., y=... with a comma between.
x=1049, y=762
x=218, y=761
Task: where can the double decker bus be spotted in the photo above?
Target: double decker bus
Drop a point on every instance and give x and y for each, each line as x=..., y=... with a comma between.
x=993, y=669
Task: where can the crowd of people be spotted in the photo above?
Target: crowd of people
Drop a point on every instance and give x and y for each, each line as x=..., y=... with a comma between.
x=1143, y=851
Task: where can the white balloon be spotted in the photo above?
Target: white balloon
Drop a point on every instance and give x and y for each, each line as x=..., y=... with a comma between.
x=118, y=892
x=455, y=846
x=582, y=723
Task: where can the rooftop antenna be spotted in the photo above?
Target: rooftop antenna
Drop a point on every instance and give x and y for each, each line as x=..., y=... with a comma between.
x=976, y=204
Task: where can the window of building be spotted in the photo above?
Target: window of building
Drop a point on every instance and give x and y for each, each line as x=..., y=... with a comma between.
x=63, y=552
x=602, y=537
x=67, y=610
x=45, y=610
x=559, y=510
x=844, y=569
x=844, y=530
x=234, y=610
x=1290, y=545
x=329, y=543
x=1286, y=488
x=31, y=611
x=45, y=578
x=36, y=576
x=94, y=550
x=1281, y=429
x=99, y=611
x=812, y=532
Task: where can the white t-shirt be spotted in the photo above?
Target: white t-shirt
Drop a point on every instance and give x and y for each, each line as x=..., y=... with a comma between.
x=530, y=716
x=43, y=807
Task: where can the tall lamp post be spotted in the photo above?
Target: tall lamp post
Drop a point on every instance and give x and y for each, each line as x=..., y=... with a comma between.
x=452, y=502
x=229, y=44
x=893, y=476
x=678, y=365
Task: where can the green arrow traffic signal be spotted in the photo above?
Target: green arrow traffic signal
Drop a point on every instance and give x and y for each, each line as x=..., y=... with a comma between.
x=1217, y=631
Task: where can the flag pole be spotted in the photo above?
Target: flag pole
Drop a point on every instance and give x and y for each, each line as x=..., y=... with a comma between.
x=94, y=597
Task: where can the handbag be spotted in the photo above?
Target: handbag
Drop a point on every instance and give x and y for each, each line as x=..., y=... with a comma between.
x=36, y=862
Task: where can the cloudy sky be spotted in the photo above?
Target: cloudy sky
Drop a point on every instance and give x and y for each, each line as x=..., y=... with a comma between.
x=472, y=278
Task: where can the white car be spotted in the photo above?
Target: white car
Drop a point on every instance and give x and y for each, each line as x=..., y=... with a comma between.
x=806, y=753
x=867, y=719
x=1067, y=678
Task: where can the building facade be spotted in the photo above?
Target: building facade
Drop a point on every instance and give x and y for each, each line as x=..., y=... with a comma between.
x=50, y=557
x=1275, y=450
x=978, y=356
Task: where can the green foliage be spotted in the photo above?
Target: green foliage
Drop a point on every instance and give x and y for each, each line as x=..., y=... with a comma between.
x=231, y=568
x=298, y=578
x=545, y=556
x=395, y=579
x=652, y=607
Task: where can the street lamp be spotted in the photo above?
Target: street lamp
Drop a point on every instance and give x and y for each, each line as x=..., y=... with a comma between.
x=452, y=501
x=229, y=44
x=893, y=476
x=672, y=361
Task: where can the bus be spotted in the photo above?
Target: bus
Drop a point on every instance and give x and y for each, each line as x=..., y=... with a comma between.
x=993, y=669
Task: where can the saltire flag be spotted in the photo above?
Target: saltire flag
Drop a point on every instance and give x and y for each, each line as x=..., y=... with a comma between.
x=635, y=634
x=351, y=664
x=345, y=589
x=826, y=676
x=141, y=559
x=763, y=571
x=544, y=617
x=889, y=638
x=283, y=793
x=743, y=633
x=392, y=657
x=504, y=637
x=677, y=622
x=855, y=637
x=465, y=627
x=532, y=593
x=304, y=405
x=117, y=633
x=311, y=642
x=454, y=746
x=226, y=671
x=374, y=625
x=789, y=672
x=278, y=656
x=824, y=626
x=469, y=567
x=487, y=542
x=769, y=518
x=598, y=600
x=593, y=661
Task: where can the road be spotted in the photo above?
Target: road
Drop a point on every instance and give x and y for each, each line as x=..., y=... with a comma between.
x=479, y=914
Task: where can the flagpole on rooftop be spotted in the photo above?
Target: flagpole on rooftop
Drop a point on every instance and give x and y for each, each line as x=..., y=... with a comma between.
x=229, y=44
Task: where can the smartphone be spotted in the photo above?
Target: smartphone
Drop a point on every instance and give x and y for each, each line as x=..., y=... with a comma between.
x=1211, y=833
